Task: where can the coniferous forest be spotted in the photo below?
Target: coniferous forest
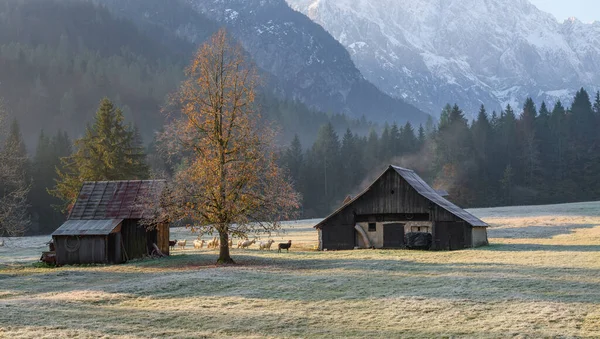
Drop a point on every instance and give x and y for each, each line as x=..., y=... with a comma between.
x=531, y=155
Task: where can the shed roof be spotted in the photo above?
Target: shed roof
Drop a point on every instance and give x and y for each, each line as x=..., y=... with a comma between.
x=104, y=200
x=88, y=227
x=416, y=182
x=426, y=191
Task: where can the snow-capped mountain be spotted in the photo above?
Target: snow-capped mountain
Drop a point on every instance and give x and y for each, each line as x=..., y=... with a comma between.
x=308, y=64
x=433, y=52
x=298, y=58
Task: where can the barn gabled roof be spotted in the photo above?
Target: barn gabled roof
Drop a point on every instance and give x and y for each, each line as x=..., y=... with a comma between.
x=106, y=200
x=416, y=182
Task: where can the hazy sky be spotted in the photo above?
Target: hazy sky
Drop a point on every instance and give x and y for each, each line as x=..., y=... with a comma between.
x=584, y=10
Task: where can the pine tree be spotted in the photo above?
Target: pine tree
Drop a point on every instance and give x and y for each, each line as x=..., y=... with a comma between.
x=482, y=144
x=544, y=133
x=507, y=185
x=351, y=164
x=408, y=138
x=293, y=160
x=396, y=143
x=110, y=150
x=529, y=114
x=371, y=149
x=597, y=105
x=445, y=117
x=326, y=153
x=421, y=138
x=508, y=136
x=14, y=179
x=386, y=150
x=583, y=121
x=528, y=165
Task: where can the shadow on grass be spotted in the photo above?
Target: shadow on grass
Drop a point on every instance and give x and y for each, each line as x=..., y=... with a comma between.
x=539, y=247
x=534, y=232
x=298, y=278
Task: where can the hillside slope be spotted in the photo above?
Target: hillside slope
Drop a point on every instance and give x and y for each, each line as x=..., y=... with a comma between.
x=303, y=61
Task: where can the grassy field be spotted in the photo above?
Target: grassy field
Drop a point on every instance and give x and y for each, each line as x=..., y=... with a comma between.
x=540, y=277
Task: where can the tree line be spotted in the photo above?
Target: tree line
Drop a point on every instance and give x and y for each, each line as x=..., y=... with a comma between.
x=36, y=192
x=533, y=156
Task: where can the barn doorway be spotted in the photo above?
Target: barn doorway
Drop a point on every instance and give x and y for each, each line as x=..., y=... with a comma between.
x=393, y=235
x=449, y=235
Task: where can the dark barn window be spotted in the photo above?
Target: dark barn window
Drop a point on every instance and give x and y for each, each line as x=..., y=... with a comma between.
x=372, y=227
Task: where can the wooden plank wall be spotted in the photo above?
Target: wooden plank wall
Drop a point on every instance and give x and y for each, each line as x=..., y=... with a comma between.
x=391, y=194
x=90, y=250
x=134, y=239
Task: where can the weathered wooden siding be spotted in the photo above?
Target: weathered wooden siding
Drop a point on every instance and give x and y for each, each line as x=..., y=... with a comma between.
x=135, y=240
x=392, y=199
x=115, y=249
x=450, y=235
x=390, y=194
x=73, y=250
x=339, y=233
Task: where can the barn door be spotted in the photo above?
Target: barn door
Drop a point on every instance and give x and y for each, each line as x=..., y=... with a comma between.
x=449, y=235
x=393, y=235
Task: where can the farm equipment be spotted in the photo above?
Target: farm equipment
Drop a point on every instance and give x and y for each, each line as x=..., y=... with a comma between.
x=49, y=257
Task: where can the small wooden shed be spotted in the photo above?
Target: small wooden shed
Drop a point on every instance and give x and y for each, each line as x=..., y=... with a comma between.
x=400, y=210
x=104, y=225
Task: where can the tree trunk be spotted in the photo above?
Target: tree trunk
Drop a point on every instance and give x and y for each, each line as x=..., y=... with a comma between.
x=224, y=257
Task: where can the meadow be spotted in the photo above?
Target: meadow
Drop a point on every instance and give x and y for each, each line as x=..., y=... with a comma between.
x=540, y=277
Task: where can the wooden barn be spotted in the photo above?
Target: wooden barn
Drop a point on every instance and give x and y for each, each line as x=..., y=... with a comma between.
x=104, y=224
x=400, y=210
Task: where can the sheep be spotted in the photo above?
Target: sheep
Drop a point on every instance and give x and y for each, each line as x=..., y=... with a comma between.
x=266, y=245
x=198, y=244
x=172, y=244
x=284, y=246
x=214, y=243
x=181, y=243
x=247, y=243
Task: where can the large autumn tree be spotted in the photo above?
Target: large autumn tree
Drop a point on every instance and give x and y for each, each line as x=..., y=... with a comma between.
x=229, y=181
x=109, y=150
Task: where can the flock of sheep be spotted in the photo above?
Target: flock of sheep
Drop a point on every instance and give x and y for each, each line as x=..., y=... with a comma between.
x=243, y=244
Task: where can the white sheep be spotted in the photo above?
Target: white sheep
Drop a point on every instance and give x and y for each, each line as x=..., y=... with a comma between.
x=214, y=243
x=247, y=243
x=198, y=244
x=266, y=245
x=181, y=243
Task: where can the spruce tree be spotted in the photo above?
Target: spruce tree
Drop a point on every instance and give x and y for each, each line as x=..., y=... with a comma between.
x=597, y=105
x=110, y=150
x=396, y=143
x=386, y=151
x=351, y=163
x=15, y=181
x=326, y=165
x=421, y=138
x=293, y=160
x=544, y=134
x=408, y=138
x=482, y=144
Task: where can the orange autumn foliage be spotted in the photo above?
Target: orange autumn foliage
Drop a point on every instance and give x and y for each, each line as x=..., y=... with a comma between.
x=229, y=181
